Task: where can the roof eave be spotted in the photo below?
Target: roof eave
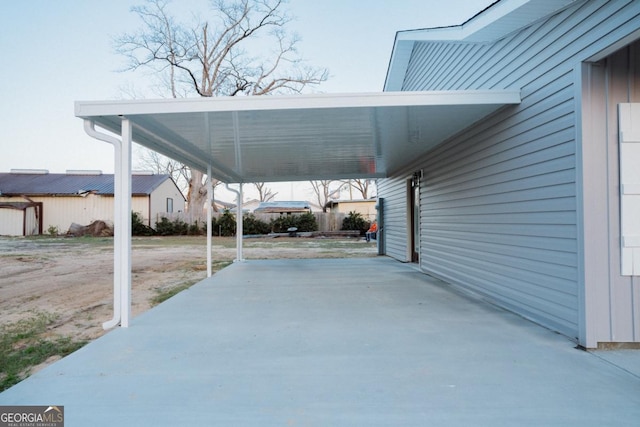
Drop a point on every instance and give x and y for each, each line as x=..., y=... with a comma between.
x=493, y=23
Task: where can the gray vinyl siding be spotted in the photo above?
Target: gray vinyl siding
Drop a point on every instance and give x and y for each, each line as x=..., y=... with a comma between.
x=395, y=217
x=499, y=210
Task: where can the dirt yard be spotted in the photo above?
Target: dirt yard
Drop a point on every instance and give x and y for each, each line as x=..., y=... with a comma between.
x=72, y=278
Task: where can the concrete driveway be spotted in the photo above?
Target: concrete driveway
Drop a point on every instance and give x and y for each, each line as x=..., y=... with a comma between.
x=348, y=342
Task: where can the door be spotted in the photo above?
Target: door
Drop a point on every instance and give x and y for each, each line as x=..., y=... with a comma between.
x=414, y=212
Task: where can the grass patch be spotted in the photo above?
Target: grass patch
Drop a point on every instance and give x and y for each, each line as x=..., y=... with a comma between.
x=24, y=345
x=164, y=294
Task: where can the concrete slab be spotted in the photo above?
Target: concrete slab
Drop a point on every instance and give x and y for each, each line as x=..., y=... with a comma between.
x=357, y=342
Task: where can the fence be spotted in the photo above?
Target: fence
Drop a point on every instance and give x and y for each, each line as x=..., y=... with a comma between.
x=327, y=221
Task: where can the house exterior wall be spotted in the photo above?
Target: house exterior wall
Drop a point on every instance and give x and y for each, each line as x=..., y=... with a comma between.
x=62, y=211
x=499, y=202
x=11, y=222
x=158, y=201
x=612, y=300
x=366, y=208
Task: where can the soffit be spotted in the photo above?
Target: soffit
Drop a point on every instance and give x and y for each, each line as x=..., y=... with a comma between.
x=297, y=138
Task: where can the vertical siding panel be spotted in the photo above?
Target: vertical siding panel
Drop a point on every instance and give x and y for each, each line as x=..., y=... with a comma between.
x=612, y=304
x=594, y=191
x=12, y=222
x=621, y=288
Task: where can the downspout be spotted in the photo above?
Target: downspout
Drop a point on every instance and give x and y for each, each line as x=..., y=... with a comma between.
x=122, y=226
x=238, y=222
x=209, y=231
x=89, y=128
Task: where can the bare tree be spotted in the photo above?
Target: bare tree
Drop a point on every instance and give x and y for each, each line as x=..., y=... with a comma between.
x=361, y=185
x=212, y=57
x=153, y=161
x=322, y=192
x=265, y=194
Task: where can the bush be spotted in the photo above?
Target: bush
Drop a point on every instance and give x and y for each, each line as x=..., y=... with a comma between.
x=253, y=225
x=304, y=222
x=164, y=227
x=355, y=221
x=226, y=224
x=138, y=228
x=307, y=222
x=195, y=230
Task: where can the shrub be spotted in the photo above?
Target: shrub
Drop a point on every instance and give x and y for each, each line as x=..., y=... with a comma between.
x=304, y=222
x=138, y=228
x=307, y=222
x=164, y=227
x=253, y=225
x=195, y=230
x=226, y=224
x=355, y=221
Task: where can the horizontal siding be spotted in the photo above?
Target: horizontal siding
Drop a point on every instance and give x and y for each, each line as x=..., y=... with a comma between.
x=394, y=192
x=499, y=209
x=570, y=36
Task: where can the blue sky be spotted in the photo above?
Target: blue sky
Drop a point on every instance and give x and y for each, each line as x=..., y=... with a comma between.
x=57, y=52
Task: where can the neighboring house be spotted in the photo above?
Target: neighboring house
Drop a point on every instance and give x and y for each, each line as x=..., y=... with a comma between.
x=366, y=208
x=221, y=206
x=535, y=208
x=284, y=208
x=250, y=205
x=78, y=197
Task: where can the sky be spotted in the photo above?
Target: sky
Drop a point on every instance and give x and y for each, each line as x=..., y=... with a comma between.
x=58, y=52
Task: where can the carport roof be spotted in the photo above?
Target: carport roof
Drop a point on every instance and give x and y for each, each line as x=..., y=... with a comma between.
x=302, y=137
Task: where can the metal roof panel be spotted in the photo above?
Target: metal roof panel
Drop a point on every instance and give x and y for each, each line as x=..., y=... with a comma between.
x=17, y=184
x=298, y=138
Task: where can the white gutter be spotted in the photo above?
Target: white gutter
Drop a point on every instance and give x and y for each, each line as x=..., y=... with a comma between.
x=121, y=221
x=238, y=222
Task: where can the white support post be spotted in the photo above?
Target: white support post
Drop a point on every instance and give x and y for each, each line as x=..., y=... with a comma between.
x=209, y=231
x=124, y=215
x=239, y=226
x=238, y=222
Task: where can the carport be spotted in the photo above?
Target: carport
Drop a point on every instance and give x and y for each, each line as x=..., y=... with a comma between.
x=276, y=138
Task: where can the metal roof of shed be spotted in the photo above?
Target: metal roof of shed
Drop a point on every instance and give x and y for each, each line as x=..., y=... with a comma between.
x=284, y=206
x=303, y=137
x=17, y=184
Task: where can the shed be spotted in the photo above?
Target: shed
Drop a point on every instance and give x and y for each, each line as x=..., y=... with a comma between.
x=20, y=218
x=81, y=197
x=366, y=207
x=284, y=207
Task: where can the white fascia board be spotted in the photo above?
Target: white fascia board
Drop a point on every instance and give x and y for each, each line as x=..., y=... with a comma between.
x=513, y=10
x=90, y=109
x=398, y=64
x=461, y=32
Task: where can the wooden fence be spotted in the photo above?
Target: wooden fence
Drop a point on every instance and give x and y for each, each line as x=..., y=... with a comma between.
x=327, y=221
